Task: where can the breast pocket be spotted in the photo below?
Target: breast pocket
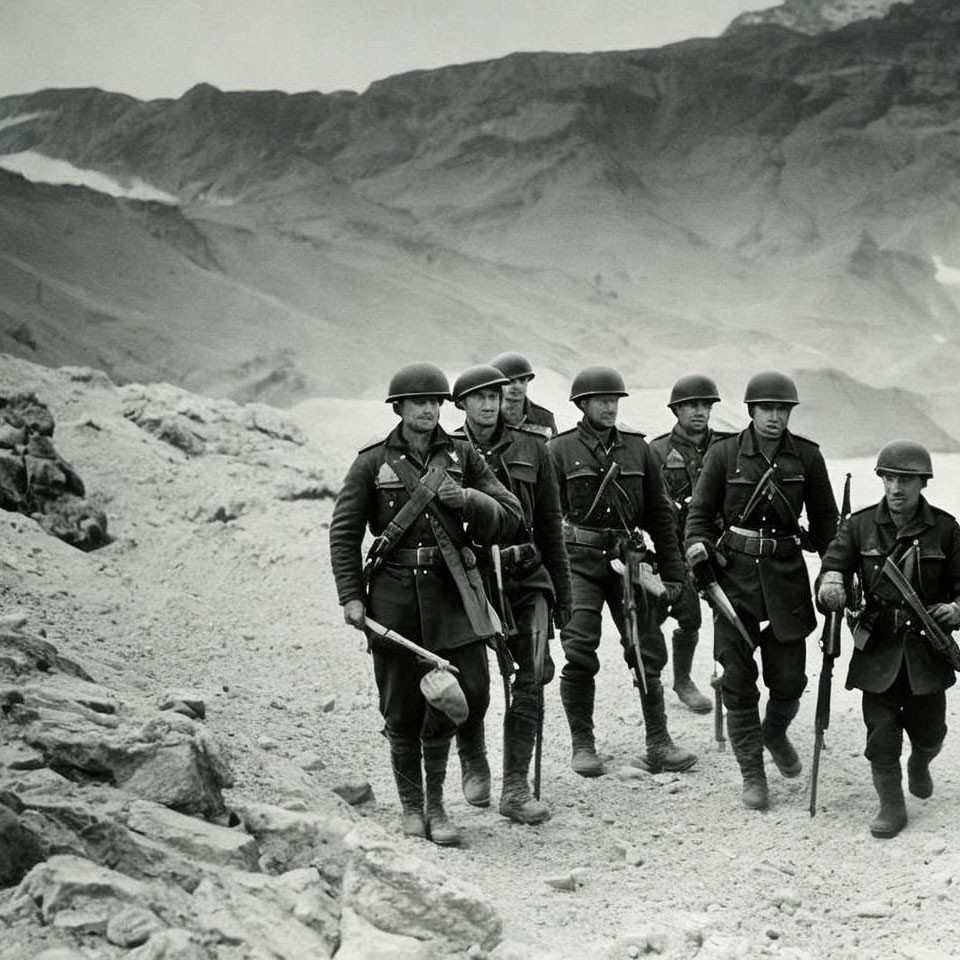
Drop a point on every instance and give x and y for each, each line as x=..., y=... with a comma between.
x=582, y=483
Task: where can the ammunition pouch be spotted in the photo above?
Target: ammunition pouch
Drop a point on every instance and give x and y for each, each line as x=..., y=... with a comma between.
x=520, y=560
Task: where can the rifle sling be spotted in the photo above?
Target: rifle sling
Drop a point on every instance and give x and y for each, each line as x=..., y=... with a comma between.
x=937, y=636
x=451, y=540
x=420, y=496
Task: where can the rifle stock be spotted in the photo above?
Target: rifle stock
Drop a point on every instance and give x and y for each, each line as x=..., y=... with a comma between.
x=830, y=645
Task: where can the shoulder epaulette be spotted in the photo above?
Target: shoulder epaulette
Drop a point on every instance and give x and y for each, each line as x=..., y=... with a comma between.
x=533, y=430
x=942, y=512
x=371, y=445
x=803, y=439
x=867, y=509
x=662, y=436
x=717, y=435
x=624, y=428
x=564, y=433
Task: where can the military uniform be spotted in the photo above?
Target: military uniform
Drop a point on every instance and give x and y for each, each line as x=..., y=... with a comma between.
x=681, y=460
x=594, y=529
x=902, y=678
x=536, y=578
x=766, y=579
x=539, y=417
x=415, y=591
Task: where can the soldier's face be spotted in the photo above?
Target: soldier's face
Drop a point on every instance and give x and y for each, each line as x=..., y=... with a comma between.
x=420, y=414
x=902, y=492
x=516, y=390
x=601, y=410
x=771, y=419
x=693, y=416
x=482, y=407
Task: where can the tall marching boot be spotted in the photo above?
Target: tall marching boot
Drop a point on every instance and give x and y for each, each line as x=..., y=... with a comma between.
x=516, y=801
x=474, y=766
x=777, y=718
x=919, y=780
x=577, y=699
x=684, y=645
x=892, y=816
x=405, y=760
x=662, y=753
x=439, y=828
x=746, y=741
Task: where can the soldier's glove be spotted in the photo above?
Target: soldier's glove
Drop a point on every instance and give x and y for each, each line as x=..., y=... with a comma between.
x=353, y=614
x=700, y=551
x=561, y=616
x=831, y=594
x=947, y=615
x=672, y=591
x=451, y=494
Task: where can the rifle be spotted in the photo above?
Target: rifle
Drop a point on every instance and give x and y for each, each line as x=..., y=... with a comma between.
x=830, y=645
x=539, y=656
x=717, y=710
x=629, y=570
x=504, y=660
x=941, y=641
x=388, y=634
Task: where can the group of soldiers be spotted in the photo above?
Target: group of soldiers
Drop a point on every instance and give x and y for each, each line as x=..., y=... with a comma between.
x=504, y=530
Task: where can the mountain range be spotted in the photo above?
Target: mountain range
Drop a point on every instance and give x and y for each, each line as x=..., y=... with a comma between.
x=769, y=198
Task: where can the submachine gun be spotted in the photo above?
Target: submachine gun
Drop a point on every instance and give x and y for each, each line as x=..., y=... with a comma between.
x=830, y=646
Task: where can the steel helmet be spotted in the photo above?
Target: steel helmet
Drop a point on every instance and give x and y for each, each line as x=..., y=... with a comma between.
x=906, y=457
x=418, y=380
x=478, y=377
x=694, y=387
x=592, y=381
x=513, y=365
x=771, y=387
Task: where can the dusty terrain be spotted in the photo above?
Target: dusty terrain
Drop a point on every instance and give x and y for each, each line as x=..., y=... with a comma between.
x=243, y=608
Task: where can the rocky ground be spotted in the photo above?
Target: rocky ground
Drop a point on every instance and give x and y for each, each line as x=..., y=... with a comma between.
x=217, y=578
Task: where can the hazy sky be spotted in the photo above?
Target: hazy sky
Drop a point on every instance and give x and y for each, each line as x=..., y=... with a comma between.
x=160, y=48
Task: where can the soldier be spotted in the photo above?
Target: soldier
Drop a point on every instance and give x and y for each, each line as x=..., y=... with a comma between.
x=518, y=409
x=536, y=575
x=902, y=677
x=610, y=489
x=756, y=484
x=421, y=579
x=679, y=454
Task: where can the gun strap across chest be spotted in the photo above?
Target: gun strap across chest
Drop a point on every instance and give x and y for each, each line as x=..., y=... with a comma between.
x=450, y=537
x=421, y=494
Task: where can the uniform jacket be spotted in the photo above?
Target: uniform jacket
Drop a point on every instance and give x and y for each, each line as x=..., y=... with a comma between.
x=681, y=461
x=581, y=463
x=538, y=416
x=519, y=460
x=860, y=547
x=424, y=602
x=776, y=587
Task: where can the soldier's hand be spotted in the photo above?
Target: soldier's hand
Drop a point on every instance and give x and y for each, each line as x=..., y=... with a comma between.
x=831, y=595
x=353, y=614
x=673, y=591
x=946, y=614
x=451, y=494
x=561, y=616
x=700, y=551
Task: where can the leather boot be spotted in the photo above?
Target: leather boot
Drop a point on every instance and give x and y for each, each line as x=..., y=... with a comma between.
x=777, y=718
x=919, y=780
x=662, y=753
x=516, y=801
x=577, y=700
x=684, y=645
x=405, y=759
x=746, y=741
x=439, y=828
x=474, y=766
x=892, y=817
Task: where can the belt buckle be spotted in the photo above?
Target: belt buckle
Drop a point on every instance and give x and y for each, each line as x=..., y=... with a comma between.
x=422, y=553
x=766, y=542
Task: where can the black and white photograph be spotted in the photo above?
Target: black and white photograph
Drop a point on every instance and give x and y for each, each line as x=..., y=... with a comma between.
x=479, y=480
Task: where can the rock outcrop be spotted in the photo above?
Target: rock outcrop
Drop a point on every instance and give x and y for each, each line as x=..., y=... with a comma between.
x=36, y=481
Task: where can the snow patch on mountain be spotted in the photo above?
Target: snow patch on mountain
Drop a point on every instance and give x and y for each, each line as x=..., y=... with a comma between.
x=42, y=169
x=815, y=16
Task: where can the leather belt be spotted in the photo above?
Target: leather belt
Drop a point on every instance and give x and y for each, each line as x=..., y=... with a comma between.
x=760, y=543
x=415, y=557
x=603, y=538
